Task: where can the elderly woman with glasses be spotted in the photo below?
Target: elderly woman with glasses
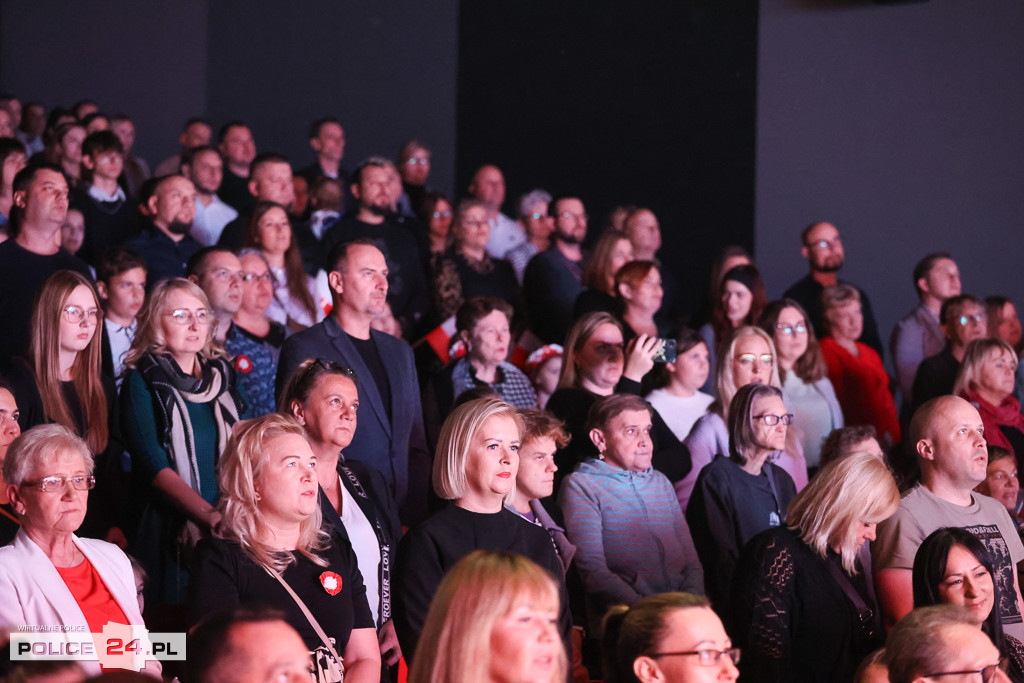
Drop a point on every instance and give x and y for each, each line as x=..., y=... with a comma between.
x=178, y=404
x=802, y=608
x=48, y=575
x=739, y=496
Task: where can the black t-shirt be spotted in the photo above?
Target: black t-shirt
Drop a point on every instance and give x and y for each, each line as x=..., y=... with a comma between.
x=227, y=577
x=367, y=349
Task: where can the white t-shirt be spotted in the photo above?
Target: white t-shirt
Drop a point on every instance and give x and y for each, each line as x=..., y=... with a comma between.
x=680, y=413
x=364, y=542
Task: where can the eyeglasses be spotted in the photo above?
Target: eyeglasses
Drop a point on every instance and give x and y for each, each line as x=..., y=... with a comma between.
x=265, y=277
x=578, y=216
x=988, y=674
x=183, y=316
x=537, y=216
x=772, y=420
x=705, y=657
x=79, y=482
x=789, y=330
x=825, y=244
x=442, y=214
x=749, y=358
x=964, y=320
x=413, y=161
x=230, y=275
x=75, y=314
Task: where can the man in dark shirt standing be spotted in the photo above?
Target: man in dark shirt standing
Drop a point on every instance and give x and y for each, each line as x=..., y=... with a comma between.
x=165, y=244
x=390, y=437
x=238, y=149
x=823, y=249
x=407, y=287
x=554, y=278
x=33, y=252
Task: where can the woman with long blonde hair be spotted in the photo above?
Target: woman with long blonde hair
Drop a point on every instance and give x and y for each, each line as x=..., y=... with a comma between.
x=178, y=404
x=271, y=549
x=493, y=619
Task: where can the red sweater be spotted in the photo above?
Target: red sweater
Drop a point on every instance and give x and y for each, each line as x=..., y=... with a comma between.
x=862, y=387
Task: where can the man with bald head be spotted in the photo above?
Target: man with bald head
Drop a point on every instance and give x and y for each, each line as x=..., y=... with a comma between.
x=488, y=187
x=949, y=439
x=823, y=249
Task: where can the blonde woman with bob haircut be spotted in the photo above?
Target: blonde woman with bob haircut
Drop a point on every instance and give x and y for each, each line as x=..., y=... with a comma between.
x=986, y=379
x=178, y=404
x=270, y=538
x=493, y=619
x=746, y=357
x=598, y=363
x=475, y=467
x=803, y=608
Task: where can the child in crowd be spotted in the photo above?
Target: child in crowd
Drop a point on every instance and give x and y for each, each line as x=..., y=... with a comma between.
x=110, y=215
x=121, y=283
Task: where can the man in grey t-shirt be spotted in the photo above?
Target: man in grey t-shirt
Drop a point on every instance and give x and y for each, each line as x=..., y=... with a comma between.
x=948, y=436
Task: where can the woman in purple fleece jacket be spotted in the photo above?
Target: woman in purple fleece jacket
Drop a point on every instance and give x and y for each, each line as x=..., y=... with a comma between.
x=623, y=516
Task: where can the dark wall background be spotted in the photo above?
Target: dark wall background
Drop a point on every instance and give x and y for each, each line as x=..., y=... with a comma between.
x=902, y=125
x=644, y=103
x=386, y=70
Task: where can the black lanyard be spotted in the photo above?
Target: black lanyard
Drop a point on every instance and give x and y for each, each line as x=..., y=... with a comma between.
x=385, y=549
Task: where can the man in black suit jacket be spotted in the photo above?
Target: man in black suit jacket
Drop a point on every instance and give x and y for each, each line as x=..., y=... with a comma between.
x=390, y=437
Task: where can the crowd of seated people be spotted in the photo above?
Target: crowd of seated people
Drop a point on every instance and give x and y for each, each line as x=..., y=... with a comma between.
x=394, y=434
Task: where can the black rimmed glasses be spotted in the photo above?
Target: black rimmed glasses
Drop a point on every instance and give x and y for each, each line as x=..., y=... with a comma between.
x=257, y=277
x=706, y=657
x=988, y=673
x=772, y=420
x=79, y=482
x=76, y=314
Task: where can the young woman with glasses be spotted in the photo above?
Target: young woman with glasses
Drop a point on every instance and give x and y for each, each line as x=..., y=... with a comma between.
x=178, y=404
x=739, y=496
x=805, y=384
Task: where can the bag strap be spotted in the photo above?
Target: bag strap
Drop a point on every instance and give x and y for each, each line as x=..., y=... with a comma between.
x=864, y=613
x=309, y=616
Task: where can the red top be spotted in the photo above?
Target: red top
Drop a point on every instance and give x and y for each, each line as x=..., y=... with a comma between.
x=92, y=595
x=862, y=387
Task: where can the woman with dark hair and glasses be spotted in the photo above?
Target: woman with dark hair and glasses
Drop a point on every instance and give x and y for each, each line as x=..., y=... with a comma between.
x=673, y=637
x=953, y=566
x=178, y=405
x=739, y=496
x=354, y=497
x=805, y=384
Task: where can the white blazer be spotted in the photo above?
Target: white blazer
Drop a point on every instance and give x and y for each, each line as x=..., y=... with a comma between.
x=33, y=593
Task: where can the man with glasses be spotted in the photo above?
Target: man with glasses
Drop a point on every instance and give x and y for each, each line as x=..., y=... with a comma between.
x=165, y=244
x=32, y=253
x=919, y=334
x=963, y=320
x=947, y=436
x=941, y=643
x=823, y=249
x=554, y=278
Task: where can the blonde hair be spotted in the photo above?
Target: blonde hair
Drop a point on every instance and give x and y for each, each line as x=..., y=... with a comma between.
x=978, y=352
x=580, y=333
x=241, y=468
x=456, y=440
x=44, y=354
x=482, y=588
x=846, y=493
x=150, y=337
x=725, y=383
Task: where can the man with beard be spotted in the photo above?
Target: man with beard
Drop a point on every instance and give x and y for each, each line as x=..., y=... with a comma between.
x=33, y=253
x=407, y=287
x=554, y=278
x=165, y=244
x=205, y=168
x=823, y=249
